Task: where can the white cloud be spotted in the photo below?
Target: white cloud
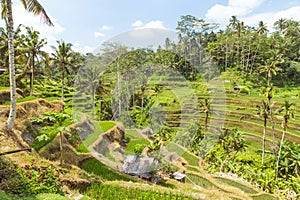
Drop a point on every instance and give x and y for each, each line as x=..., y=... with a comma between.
x=83, y=49
x=105, y=28
x=291, y=13
x=249, y=4
x=98, y=34
x=137, y=23
x=253, y=20
x=21, y=16
x=222, y=13
x=154, y=24
x=271, y=18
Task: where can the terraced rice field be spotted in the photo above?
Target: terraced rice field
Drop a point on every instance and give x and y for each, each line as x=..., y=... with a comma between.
x=229, y=110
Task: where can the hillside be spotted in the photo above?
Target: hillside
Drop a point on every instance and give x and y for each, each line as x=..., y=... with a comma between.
x=213, y=114
x=73, y=174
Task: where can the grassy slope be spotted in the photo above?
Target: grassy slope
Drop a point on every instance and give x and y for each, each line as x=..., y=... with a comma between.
x=100, y=127
x=233, y=107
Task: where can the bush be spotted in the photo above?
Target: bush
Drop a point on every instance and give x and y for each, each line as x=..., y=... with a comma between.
x=29, y=179
x=244, y=90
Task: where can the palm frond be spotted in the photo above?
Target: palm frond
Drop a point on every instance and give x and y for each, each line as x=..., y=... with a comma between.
x=36, y=8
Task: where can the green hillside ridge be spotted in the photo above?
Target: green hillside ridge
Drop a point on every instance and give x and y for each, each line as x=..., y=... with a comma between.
x=219, y=106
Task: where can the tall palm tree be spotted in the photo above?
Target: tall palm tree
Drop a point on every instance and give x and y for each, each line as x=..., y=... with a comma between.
x=233, y=22
x=6, y=13
x=62, y=57
x=262, y=28
x=206, y=108
x=32, y=47
x=281, y=25
x=90, y=76
x=287, y=109
x=263, y=111
x=4, y=44
x=270, y=67
x=269, y=92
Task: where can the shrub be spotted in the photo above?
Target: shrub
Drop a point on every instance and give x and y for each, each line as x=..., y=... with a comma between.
x=29, y=179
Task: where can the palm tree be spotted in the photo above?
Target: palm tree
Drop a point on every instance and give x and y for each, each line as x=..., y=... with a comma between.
x=270, y=67
x=281, y=25
x=63, y=57
x=288, y=112
x=90, y=77
x=32, y=47
x=205, y=107
x=36, y=8
x=262, y=28
x=113, y=53
x=263, y=111
x=269, y=92
x=4, y=44
x=233, y=22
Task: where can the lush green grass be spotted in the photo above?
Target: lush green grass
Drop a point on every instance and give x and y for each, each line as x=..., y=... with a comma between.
x=100, y=127
x=200, y=181
x=191, y=168
x=264, y=197
x=50, y=132
x=133, y=134
x=236, y=184
x=52, y=98
x=20, y=100
x=82, y=148
x=106, y=125
x=4, y=196
x=190, y=158
x=4, y=88
x=94, y=166
x=133, y=142
x=110, y=192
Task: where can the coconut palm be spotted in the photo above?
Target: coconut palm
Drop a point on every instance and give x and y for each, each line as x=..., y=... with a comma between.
x=262, y=28
x=90, y=76
x=280, y=25
x=233, y=22
x=205, y=107
x=4, y=44
x=263, y=111
x=63, y=57
x=287, y=110
x=36, y=8
x=32, y=46
x=269, y=92
x=271, y=67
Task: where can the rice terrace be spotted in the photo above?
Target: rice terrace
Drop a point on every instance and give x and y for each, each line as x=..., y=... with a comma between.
x=207, y=109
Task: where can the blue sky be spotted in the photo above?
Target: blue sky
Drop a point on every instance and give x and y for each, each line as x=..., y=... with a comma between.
x=88, y=23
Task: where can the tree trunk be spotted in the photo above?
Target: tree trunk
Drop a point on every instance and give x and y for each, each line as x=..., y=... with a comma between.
x=273, y=126
x=32, y=77
x=254, y=56
x=248, y=56
x=93, y=102
x=206, y=121
x=63, y=84
x=264, y=142
x=279, y=151
x=61, y=148
x=142, y=106
x=100, y=108
x=226, y=53
x=12, y=80
x=119, y=90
